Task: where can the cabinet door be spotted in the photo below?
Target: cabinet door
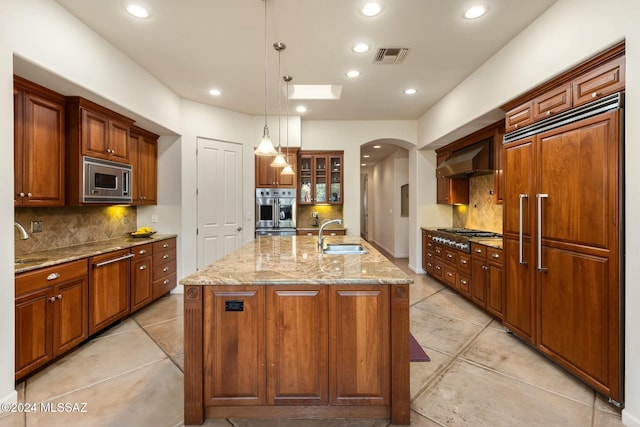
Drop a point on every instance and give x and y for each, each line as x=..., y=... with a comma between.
x=479, y=281
x=552, y=102
x=118, y=148
x=265, y=176
x=288, y=181
x=306, y=180
x=320, y=179
x=70, y=319
x=359, y=348
x=33, y=331
x=108, y=289
x=147, y=171
x=95, y=134
x=604, y=80
x=18, y=132
x=519, y=117
x=141, y=270
x=495, y=290
x=234, y=346
x=297, y=354
x=335, y=178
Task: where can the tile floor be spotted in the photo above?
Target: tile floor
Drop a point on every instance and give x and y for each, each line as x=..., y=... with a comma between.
x=131, y=375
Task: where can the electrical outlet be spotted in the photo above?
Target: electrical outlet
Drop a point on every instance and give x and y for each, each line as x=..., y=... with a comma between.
x=36, y=226
x=154, y=217
x=314, y=214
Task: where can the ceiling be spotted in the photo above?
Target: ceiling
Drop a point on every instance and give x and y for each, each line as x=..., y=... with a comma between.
x=196, y=45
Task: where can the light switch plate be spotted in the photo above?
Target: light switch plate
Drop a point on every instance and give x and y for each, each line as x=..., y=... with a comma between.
x=36, y=226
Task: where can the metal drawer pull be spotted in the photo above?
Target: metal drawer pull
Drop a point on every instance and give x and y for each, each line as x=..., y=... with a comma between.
x=478, y=251
x=463, y=261
x=165, y=269
x=450, y=274
x=496, y=256
x=449, y=256
x=52, y=299
x=166, y=282
x=53, y=276
x=100, y=264
x=464, y=282
x=59, y=296
x=521, y=261
x=540, y=197
x=142, y=251
x=485, y=268
x=165, y=256
x=166, y=245
x=143, y=267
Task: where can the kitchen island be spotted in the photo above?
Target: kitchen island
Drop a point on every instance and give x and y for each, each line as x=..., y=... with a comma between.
x=279, y=330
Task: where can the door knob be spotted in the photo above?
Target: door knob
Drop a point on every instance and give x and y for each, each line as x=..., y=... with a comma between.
x=239, y=229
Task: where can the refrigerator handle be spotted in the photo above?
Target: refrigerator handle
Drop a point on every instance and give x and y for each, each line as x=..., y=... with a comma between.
x=521, y=255
x=540, y=197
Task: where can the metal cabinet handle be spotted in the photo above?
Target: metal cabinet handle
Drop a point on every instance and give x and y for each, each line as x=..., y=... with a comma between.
x=520, y=248
x=462, y=281
x=59, y=296
x=438, y=267
x=143, y=267
x=496, y=256
x=165, y=256
x=478, y=251
x=52, y=299
x=463, y=261
x=166, y=245
x=53, y=276
x=29, y=194
x=100, y=264
x=164, y=270
x=485, y=268
x=450, y=274
x=21, y=194
x=540, y=197
x=166, y=282
x=142, y=251
x=449, y=256
x=594, y=95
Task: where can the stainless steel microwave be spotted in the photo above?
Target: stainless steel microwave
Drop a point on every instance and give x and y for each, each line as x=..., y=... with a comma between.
x=105, y=181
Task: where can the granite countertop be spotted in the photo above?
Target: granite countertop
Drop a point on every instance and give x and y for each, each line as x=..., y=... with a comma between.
x=72, y=253
x=495, y=242
x=327, y=228
x=288, y=260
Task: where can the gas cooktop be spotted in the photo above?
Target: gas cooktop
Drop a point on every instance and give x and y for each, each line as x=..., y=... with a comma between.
x=459, y=237
x=469, y=232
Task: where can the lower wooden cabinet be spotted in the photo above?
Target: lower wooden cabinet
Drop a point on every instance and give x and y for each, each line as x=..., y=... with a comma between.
x=141, y=271
x=164, y=267
x=109, y=292
x=50, y=314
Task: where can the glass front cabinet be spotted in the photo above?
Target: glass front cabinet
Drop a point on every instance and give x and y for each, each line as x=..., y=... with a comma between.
x=320, y=177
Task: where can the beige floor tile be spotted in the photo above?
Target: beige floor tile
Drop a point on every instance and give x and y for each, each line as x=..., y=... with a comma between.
x=507, y=354
x=124, y=326
x=150, y=396
x=418, y=420
x=178, y=359
x=441, y=333
x=422, y=372
x=95, y=361
x=467, y=395
x=423, y=287
x=450, y=304
x=168, y=307
x=606, y=419
x=168, y=335
x=12, y=419
x=602, y=404
x=308, y=423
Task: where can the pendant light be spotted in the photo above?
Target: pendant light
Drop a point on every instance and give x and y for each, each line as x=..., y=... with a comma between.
x=288, y=169
x=265, y=148
x=279, y=161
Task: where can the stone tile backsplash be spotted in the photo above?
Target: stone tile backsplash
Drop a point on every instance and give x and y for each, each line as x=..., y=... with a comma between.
x=68, y=226
x=481, y=213
x=325, y=212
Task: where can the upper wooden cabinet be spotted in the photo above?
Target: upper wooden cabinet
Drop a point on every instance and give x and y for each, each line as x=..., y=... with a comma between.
x=552, y=102
x=97, y=132
x=601, y=81
x=320, y=177
x=143, y=148
x=269, y=177
x=451, y=191
x=39, y=145
x=519, y=117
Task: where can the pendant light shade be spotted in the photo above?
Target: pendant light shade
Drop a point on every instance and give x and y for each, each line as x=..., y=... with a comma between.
x=265, y=148
x=288, y=169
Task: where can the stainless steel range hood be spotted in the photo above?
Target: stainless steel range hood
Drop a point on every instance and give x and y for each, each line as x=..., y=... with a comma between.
x=472, y=161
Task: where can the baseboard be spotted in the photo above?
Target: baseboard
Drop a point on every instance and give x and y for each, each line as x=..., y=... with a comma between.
x=416, y=269
x=629, y=419
x=12, y=397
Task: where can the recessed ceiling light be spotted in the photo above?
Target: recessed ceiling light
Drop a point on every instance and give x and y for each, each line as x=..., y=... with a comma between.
x=215, y=92
x=353, y=73
x=137, y=11
x=366, y=156
x=475, y=11
x=301, y=109
x=360, y=48
x=410, y=91
x=377, y=146
x=371, y=9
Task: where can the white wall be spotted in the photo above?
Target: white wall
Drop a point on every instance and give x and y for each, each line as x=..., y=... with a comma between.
x=567, y=34
x=349, y=136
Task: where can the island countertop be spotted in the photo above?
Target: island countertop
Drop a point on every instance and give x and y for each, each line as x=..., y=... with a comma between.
x=281, y=260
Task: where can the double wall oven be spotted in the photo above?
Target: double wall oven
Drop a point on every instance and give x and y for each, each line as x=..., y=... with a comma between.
x=275, y=212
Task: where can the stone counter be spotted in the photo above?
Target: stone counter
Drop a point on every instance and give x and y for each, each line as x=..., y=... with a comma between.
x=296, y=260
x=73, y=253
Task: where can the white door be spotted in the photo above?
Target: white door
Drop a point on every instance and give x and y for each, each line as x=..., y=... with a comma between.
x=219, y=199
x=364, y=208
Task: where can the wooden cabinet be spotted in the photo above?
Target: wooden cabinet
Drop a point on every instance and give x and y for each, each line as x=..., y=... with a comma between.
x=141, y=276
x=50, y=314
x=164, y=267
x=604, y=80
x=109, y=288
x=519, y=117
x=451, y=191
x=320, y=175
x=269, y=177
x=486, y=278
x=143, y=148
x=562, y=285
x=552, y=102
x=39, y=145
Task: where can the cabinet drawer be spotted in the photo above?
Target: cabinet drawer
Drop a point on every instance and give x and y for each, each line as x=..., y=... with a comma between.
x=478, y=250
x=464, y=263
x=519, y=117
x=438, y=252
x=450, y=256
x=163, y=286
x=165, y=269
x=429, y=267
x=437, y=270
x=553, y=102
x=142, y=250
x=164, y=245
x=450, y=276
x=163, y=257
x=464, y=284
x=606, y=79
x=494, y=255
x=27, y=282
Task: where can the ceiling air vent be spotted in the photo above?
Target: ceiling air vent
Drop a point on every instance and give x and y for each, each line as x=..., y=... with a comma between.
x=391, y=55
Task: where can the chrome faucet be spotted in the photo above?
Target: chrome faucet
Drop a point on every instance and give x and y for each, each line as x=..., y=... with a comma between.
x=324, y=224
x=23, y=232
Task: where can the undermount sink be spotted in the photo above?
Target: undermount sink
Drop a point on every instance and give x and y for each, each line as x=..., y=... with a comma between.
x=28, y=260
x=344, y=249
